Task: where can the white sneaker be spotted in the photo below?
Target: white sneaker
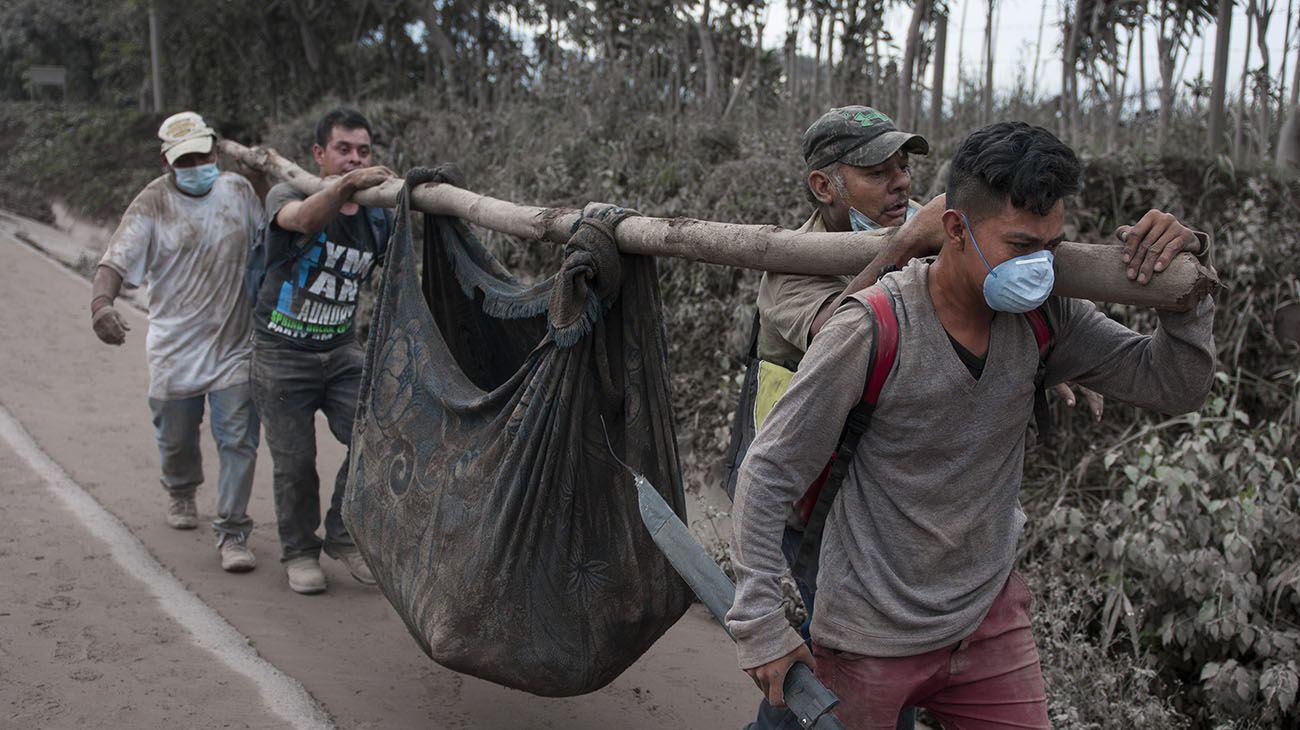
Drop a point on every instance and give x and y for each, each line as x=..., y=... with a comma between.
x=305, y=575
x=236, y=557
x=182, y=513
x=356, y=565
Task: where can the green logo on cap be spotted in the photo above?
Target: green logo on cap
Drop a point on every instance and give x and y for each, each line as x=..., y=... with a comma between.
x=870, y=119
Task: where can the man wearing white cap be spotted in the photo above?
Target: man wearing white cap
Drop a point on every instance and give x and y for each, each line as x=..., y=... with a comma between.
x=187, y=235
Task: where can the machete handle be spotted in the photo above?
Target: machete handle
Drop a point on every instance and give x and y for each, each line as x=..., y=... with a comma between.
x=809, y=699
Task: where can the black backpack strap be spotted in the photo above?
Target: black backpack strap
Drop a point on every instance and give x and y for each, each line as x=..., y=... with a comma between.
x=820, y=498
x=753, y=337
x=742, y=421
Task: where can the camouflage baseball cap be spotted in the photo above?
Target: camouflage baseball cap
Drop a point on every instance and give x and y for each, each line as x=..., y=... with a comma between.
x=859, y=136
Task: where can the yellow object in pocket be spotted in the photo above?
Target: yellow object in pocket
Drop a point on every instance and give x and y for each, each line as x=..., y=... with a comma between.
x=773, y=381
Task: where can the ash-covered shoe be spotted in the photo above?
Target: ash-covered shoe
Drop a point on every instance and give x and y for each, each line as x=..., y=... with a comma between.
x=305, y=575
x=356, y=565
x=236, y=557
x=182, y=513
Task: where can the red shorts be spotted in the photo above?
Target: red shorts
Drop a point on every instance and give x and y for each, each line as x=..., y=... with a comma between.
x=990, y=679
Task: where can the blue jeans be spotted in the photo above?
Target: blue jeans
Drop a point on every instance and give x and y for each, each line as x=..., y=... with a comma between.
x=780, y=718
x=290, y=384
x=234, y=428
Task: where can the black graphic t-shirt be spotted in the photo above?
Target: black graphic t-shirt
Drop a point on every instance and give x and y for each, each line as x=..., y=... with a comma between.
x=309, y=295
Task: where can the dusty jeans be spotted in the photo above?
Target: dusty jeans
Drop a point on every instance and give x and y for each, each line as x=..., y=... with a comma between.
x=290, y=384
x=990, y=679
x=234, y=428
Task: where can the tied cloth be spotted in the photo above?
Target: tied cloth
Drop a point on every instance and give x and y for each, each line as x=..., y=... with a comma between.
x=482, y=491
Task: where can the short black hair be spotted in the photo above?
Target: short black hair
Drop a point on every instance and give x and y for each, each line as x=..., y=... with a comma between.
x=340, y=117
x=1011, y=161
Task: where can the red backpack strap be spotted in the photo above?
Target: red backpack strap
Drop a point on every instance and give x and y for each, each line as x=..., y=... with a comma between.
x=1042, y=330
x=1043, y=337
x=815, y=505
x=884, y=345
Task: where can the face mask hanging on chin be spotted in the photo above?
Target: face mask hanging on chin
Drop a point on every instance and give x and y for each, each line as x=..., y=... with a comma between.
x=1019, y=284
x=197, y=180
x=860, y=222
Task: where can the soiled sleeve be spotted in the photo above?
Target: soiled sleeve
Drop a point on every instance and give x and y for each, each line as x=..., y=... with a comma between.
x=788, y=303
x=130, y=247
x=1169, y=371
x=788, y=453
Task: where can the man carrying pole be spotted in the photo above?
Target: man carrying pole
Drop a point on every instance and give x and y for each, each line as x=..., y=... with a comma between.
x=187, y=235
x=918, y=603
x=319, y=250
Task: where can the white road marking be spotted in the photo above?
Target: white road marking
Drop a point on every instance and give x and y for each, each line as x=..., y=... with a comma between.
x=283, y=695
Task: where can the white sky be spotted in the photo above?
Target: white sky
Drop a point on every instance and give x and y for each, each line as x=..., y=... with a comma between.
x=1017, y=31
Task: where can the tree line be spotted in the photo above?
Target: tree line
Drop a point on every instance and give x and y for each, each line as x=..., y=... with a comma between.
x=259, y=60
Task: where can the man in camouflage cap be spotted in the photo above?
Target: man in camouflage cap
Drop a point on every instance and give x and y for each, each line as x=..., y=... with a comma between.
x=859, y=179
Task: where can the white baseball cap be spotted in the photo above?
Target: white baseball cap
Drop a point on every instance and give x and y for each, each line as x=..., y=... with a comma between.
x=184, y=133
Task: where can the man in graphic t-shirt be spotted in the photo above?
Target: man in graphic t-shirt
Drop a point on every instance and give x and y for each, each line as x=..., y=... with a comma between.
x=319, y=250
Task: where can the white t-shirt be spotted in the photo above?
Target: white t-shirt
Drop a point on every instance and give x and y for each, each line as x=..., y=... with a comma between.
x=192, y=253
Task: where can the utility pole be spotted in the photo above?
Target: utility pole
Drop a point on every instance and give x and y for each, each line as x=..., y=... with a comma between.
x=155, y=56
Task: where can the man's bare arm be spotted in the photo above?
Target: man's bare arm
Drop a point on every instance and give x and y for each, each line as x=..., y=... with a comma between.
x=310, y=216
x=922, y=235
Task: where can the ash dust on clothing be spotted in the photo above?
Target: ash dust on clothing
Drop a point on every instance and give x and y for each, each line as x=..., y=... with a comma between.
x=192, y=253
x=310, y=292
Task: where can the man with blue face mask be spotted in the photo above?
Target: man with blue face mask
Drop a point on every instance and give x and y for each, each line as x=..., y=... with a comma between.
x=918, y=602
x=187, y=235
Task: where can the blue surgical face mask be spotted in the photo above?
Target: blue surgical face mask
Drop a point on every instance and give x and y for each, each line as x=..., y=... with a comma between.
x=860, y=222
x=1019, y=284
x=197, y=180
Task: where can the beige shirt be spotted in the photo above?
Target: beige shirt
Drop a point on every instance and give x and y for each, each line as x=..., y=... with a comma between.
x=192, y=253
x=787, y=305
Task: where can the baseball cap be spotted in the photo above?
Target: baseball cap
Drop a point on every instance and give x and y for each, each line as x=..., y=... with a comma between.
x=184, y=133
x=859, y=136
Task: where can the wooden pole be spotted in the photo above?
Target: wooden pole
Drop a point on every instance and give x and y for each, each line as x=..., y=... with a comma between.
x=1085, y=271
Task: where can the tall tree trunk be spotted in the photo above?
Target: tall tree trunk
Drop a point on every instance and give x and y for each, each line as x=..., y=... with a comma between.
x=1069, y=105
x=988, y=63
x=1142, y=68
x=792, y=51
x=831, y=87
x=1263, y=14
x=1288, y=143
x=1167, y=47
x=708, y=55
x=1217, y=143
x=908, y=66
x=1038, y=52
x=940, y=63
x=1295, y=82
x=819, y=19
x=1286, y=53
x=961, y=45
x=1239, y=140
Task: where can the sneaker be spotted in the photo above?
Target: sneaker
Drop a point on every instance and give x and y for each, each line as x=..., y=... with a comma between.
x=182, y=513
x=236, y=557
x=305, y=575
x=356, y=565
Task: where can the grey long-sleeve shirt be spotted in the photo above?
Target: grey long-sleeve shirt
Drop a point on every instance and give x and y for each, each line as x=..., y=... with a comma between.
x=924, y=531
